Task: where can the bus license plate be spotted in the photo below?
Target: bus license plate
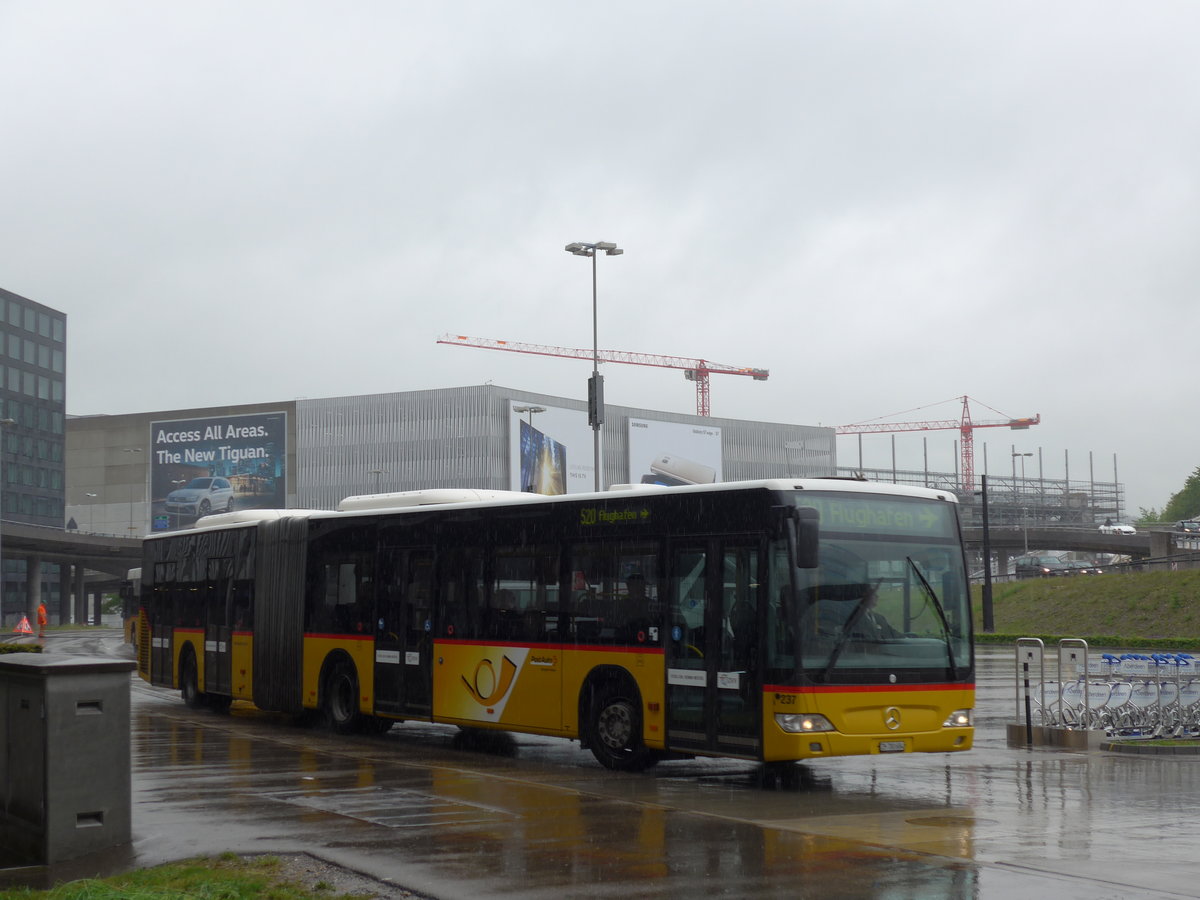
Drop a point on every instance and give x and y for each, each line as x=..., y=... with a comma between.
x=891, y=746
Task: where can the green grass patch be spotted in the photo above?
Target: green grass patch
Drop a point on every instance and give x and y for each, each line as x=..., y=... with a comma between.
x=20, y=648
x=226, y=877
x=1159, y=610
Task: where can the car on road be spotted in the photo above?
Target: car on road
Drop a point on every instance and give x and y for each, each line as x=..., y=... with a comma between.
x=1110, y=528
x=1189, y=526
x=201, y=496
x=1039, y=567
x=1082, y=567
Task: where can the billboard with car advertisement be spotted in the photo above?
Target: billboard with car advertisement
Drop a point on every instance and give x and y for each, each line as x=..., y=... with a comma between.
x=551, y=450
x=217, y=464
x=673, y=453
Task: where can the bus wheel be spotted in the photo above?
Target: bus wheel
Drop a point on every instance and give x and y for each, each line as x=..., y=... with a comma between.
x=339, y=699
x=189, y=682
x=616, y=725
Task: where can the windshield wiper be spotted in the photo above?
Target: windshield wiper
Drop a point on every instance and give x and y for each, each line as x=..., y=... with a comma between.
x=937, y=605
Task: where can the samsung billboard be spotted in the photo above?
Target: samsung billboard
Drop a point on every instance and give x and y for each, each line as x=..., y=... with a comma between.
x=216, y=464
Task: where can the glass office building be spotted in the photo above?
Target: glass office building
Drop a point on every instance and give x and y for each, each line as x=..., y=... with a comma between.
x=33, y=353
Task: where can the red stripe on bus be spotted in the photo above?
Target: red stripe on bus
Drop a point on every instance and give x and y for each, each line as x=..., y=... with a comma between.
x=341, y=637
x=592, y=648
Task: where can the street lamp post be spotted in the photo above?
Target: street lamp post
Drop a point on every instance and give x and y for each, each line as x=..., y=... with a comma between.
x=131, y=529
x=989, y=624
x=1022, y=456
x=1024, y=511
x=90, y=497
x=596, y=384
x=531, y=410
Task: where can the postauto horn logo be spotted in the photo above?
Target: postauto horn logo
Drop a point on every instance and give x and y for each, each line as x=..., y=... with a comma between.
x=485, y=687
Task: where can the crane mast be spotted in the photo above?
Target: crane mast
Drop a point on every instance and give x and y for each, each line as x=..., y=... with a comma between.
x=966, y=427
x=697, y=370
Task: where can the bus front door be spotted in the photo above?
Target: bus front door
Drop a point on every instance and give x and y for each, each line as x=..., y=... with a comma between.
x=403, y=633
x=714, y=695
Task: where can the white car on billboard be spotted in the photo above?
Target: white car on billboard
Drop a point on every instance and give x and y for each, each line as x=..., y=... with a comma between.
x=201, y=496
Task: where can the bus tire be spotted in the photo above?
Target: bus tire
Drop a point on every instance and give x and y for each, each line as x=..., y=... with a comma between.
x=339, y=698
x=189, y=681
x=615, y=729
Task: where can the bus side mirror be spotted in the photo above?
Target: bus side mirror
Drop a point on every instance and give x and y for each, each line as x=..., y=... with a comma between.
x=801, y=526
x=808, y=530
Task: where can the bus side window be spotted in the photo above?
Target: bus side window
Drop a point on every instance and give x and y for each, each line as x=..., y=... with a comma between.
x=243, y=606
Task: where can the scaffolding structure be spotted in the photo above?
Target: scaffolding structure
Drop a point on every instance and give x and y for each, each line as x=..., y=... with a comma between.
x=1020, y=501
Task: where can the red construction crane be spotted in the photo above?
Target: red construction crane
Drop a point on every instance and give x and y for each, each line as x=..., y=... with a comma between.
x=965, y=426
x=696, y=370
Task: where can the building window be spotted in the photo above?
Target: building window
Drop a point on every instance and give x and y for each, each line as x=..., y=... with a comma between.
x=56, y=390
x=30, y=320
x=56, y=361
x=14, y=346
x=28, y=384
x=60, y=328
x=14, y=313
x=43, y=325
x=30, y=355
x=43, y=356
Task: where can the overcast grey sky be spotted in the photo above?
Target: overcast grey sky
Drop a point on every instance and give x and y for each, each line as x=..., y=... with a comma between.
x=888, y=205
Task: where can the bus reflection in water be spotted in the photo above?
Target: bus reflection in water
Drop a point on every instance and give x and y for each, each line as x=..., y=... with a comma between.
x=769, y=620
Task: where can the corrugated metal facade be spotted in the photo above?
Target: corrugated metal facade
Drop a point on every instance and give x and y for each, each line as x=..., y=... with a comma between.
x=458, y=438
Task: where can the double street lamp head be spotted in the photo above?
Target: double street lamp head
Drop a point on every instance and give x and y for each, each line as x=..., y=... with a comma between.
x=583, y=248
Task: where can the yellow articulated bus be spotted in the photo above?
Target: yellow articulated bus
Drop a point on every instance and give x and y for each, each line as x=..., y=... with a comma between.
x=768, y=620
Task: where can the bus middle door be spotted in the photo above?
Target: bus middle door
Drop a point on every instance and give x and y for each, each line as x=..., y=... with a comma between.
x=714, y=695
x=218, y=635
x=403, y=635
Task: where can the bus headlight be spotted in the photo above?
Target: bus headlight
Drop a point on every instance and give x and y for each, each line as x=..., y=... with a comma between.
x=802, y=723
x=960, y=718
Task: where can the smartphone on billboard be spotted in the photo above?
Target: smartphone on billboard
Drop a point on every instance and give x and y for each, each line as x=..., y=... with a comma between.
x=685, y=471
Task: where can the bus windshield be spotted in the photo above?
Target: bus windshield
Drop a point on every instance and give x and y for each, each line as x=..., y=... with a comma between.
x=889, y=594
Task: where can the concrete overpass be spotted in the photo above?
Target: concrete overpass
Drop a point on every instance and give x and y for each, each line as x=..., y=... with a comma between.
x=107, y=557
x=1012, y=540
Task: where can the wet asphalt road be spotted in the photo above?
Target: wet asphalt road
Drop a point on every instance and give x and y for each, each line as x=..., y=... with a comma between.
x=457, y=816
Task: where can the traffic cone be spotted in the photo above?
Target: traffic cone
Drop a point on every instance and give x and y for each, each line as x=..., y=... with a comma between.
x=23, y=626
